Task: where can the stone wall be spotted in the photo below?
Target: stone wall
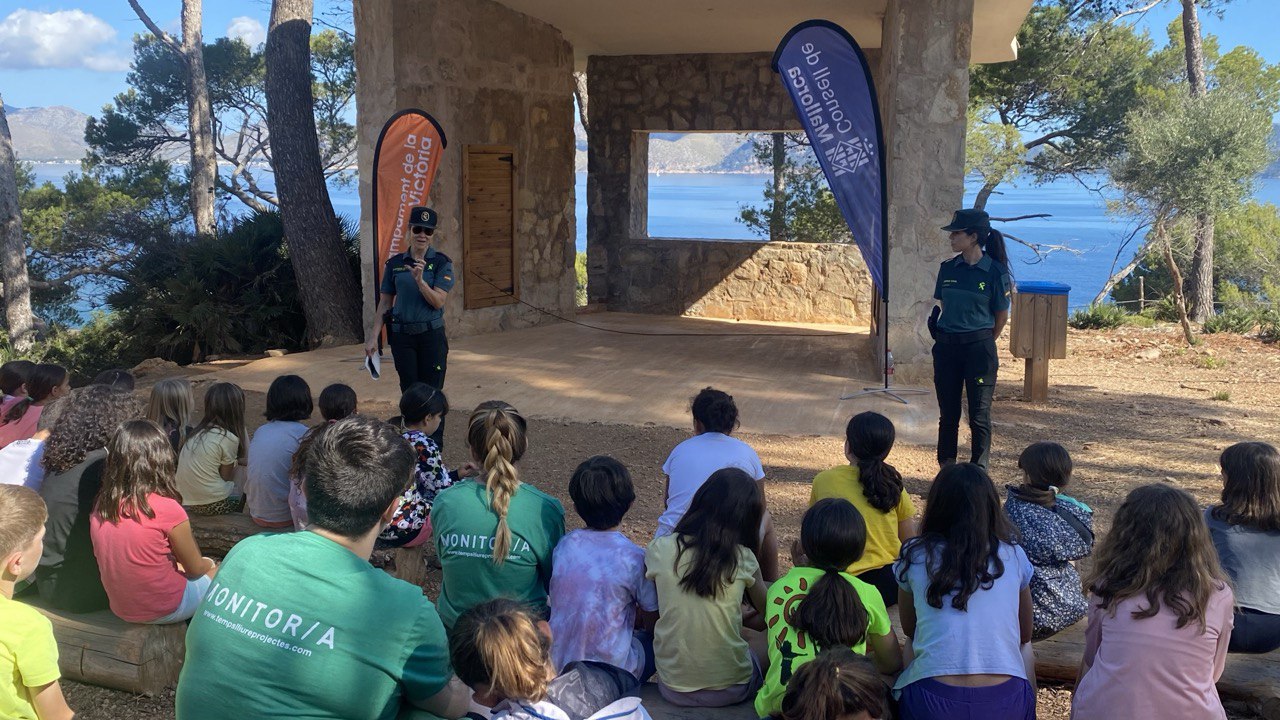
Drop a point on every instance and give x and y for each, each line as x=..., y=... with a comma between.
x=923, y=96
x=511, y=84
x=633, y=95
x=786, y=282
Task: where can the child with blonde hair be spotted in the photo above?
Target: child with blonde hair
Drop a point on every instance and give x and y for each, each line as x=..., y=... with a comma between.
x=1160, y=614
x=503, y=652
x=28, y=652
x=215, y=454
x=170, y=408
x=494, y=535
x=151, y=565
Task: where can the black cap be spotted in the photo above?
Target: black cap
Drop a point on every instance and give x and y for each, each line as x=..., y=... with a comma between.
x=423, y=217
x=968, y=220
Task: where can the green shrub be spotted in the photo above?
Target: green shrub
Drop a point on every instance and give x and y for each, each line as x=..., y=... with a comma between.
x=1210, y=362
x=1236, y=320
x=580, y=271
x=85, y=351
x=1269, y=326
x=1139, y=320
x=1106, y=316
x=1222, y=396
x=1164, y=310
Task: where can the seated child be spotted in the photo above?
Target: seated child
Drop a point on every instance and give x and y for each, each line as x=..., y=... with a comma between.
x=21, y=460
x=1160, y=611
x=715, y=417
x=422, y=408
x=1054, y=529
x=965, y=602
x=821, y=607
x=336, y=402
x=837, y=685
x=213, y=454
x=271, y=451
x=702, y=571
x=875, y=489
x=19, y=415
x=170, y=408
x=1246, y=533
x=151, y=564
x=597, y=577
x=13, y=378
x=503, y=652
x=28, y=653
x=495, y=535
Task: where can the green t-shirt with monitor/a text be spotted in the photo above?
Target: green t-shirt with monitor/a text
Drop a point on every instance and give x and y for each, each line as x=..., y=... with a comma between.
x=464, y=528
x=296, y=625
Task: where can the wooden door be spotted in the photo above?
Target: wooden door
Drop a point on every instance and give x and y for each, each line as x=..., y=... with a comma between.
x=489, y=254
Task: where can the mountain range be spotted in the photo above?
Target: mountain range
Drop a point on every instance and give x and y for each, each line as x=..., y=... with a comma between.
x=47, y=134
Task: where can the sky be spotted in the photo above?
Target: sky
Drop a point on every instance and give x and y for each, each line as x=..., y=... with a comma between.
x=76, y=52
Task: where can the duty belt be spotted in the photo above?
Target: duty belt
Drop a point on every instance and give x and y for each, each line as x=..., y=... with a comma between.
x=415, y=328
x=964, y=338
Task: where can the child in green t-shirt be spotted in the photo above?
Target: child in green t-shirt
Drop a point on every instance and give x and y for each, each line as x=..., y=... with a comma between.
x=820, y=607
x=30, y=654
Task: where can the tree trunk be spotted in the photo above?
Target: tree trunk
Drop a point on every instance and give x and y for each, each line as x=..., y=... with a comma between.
x=326, y=286
x=580, y=93
x=984, y=194
x=13, y=247
x=1194, y=48
x=204, y=163
x=1119, y=275
x=1200, y=281
x=778, y=211
x=1179, y=300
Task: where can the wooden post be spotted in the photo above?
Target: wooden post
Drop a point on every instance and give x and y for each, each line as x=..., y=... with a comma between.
x=1035, y=386
x=1142, y=293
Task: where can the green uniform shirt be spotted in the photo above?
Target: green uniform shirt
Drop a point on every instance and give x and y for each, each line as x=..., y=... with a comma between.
x=397, y=279
x=971, y=295
x=297, y=626
x=789, y=649
x=463, y=527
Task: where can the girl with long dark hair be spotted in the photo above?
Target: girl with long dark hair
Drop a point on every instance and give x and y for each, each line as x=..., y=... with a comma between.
x=821, y=607
x=965, y=603
x=20, y=414
x=1245, y=529
x=972, y=291
x=702, y=570
x=150, y=562
x=875, y=488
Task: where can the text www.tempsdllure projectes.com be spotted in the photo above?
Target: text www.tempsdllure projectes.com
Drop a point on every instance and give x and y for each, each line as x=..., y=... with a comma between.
x=255, y=635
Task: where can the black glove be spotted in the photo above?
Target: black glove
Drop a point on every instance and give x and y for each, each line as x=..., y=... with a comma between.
x=933, y=321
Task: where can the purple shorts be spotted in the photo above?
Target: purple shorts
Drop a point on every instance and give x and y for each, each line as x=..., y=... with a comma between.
x=929, y=699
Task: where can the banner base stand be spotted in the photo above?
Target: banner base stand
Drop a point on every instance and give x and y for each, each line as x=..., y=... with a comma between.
x=895, y=393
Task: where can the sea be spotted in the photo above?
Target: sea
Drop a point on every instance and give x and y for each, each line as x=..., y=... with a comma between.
x=1088, y=242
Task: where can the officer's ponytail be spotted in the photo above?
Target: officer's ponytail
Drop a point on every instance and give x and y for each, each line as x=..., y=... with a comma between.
x=992, y=241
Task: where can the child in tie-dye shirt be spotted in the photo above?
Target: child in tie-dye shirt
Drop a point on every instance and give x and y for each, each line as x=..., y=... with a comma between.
x=597, y=577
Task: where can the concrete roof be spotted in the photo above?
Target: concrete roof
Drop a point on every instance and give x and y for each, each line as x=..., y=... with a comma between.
x=661, y=27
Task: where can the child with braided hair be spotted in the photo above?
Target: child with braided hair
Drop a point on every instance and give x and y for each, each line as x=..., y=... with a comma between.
x=494, y=535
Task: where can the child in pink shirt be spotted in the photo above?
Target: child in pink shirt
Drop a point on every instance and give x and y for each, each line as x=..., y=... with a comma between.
x=1160, y=615
x=19, y=414
x=151, y=566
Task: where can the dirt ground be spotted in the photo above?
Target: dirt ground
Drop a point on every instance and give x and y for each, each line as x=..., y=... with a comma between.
x=1133, y=406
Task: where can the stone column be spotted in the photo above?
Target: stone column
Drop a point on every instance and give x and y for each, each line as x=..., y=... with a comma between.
x=925, y=54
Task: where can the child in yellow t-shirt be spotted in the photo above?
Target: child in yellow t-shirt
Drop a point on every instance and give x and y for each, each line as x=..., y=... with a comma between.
x=875, y=489
x=30, y=655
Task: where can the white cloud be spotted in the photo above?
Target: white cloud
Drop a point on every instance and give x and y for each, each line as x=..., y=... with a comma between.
x=63, y=39
x=247, y=29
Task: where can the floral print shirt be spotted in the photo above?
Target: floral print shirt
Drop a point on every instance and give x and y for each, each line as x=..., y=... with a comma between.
x=1052, y=544
x=429, y=478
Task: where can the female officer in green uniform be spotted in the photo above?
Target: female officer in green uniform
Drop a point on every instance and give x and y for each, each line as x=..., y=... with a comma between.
x=414, y=287
x=973, y=290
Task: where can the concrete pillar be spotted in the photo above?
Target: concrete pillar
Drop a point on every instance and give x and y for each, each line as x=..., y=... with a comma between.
x=925, y=90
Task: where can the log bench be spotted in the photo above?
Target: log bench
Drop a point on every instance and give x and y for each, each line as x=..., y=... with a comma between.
x=217, y=534
x=101, y=649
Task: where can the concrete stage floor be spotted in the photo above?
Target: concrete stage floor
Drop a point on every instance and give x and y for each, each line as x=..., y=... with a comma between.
x=785, y=380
